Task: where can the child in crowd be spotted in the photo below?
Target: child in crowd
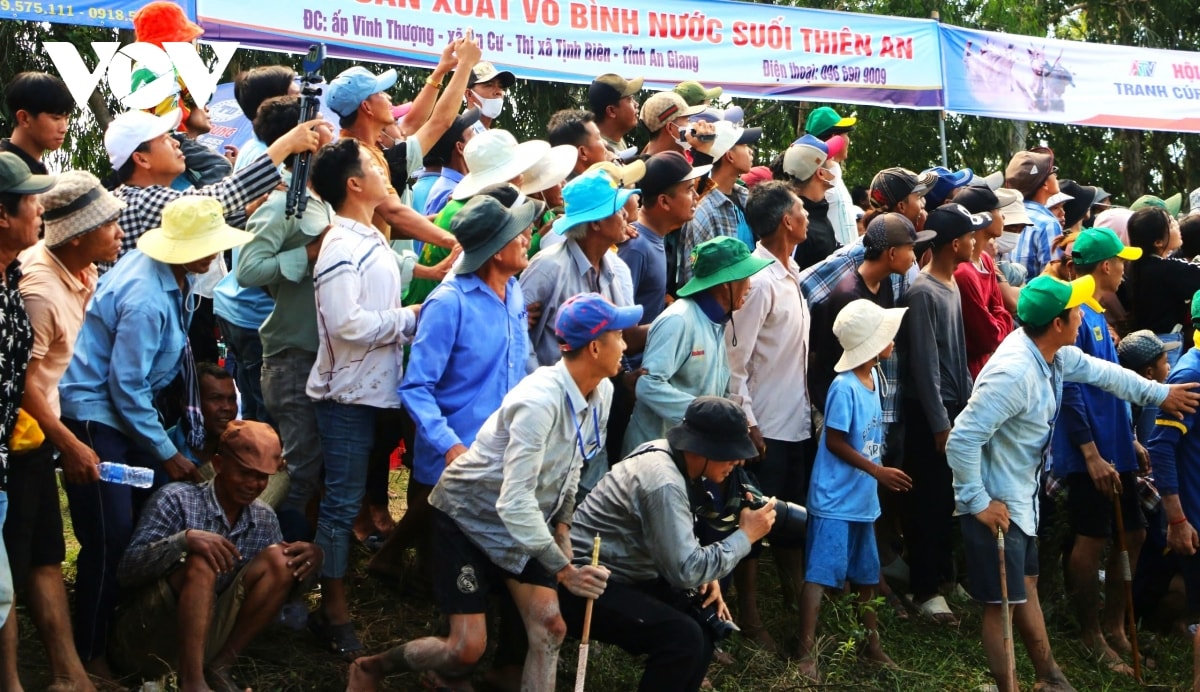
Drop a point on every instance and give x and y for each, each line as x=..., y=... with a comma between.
x=843, y=501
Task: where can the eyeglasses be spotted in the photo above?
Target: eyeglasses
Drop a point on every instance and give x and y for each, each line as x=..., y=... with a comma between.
x=589, y=453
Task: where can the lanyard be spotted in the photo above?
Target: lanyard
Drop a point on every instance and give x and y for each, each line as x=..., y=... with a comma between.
x=579, y=431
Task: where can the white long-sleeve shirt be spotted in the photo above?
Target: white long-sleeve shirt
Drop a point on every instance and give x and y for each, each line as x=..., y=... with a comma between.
x=767, y=366
x=361, y=325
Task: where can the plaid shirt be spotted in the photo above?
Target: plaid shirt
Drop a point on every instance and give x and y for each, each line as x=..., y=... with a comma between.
x=160, y=541
x=818, y=281
x=716, y=215
x=145, y=204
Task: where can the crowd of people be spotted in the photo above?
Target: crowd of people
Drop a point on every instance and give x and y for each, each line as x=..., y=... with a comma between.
x=615, y=376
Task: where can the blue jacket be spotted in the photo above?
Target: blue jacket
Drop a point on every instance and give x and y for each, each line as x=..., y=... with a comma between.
x=130, y=348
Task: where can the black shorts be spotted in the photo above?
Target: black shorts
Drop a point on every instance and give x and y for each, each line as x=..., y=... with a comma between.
x=983, y=561
x=1090, y=512
x=33, y=531
x=463, y=576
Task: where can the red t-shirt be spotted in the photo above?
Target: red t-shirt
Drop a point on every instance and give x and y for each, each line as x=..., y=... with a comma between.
x=985, y=319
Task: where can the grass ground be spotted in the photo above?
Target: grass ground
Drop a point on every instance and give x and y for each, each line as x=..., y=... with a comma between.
x=930, y=657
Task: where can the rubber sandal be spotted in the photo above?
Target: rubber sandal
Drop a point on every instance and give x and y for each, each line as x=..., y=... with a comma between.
x=936, y=609
x=340, y=640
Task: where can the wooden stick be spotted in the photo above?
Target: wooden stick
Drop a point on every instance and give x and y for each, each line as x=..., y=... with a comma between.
x=581, y=669
x=1010, y=659
x=1127, y=575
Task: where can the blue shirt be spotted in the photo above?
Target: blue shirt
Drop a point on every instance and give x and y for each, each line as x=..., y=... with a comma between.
x=999, y=441
x=1033, y=245
x=646, y=256
x=1174, y=450
x=1090, y=414
x=421, y=188
x=838, y=490
x=470, y=350
x=442, y=188
x=246, y=307
x=130, y=348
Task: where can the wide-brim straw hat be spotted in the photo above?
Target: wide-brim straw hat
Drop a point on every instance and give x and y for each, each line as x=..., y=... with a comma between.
x=192, y=228
x=494, y=156
x=864, y=329
x=551, y=170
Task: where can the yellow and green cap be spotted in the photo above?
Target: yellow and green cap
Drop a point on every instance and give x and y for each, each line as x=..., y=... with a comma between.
x=1094, y=245
x=1045, y=297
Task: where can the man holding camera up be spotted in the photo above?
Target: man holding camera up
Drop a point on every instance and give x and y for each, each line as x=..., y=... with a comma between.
x=662, y=598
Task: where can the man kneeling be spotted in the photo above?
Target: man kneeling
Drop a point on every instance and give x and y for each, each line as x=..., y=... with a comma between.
x=644, y=512
x=210, y=566
x=502, y=510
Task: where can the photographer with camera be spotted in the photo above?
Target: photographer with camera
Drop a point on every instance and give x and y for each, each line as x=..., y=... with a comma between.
x=663, y=599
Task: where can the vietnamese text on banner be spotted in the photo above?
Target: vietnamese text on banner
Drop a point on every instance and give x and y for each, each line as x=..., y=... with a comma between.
x=1049, y=80
x=117, y=14
x=755, y=51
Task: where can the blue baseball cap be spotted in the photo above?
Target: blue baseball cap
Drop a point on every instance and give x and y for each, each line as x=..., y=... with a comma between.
x=355, y=85
x=585, y=317
x=947, y=181
x=591, y=196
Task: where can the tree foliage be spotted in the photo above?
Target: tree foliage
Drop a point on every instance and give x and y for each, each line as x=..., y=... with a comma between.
x=1125, y=162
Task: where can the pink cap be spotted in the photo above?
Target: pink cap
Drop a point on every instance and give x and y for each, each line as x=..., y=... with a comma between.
x=836, y=145
x=756, y=175
x=402, y=110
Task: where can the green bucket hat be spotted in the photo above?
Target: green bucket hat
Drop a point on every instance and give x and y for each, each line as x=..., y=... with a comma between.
x=720, y=260
x=1172, y=204
x=1196, y=308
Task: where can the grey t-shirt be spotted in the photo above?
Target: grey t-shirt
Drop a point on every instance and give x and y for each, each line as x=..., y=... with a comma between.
x=935, y=347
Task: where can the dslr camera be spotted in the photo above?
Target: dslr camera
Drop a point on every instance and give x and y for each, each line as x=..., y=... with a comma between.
x=790, y=518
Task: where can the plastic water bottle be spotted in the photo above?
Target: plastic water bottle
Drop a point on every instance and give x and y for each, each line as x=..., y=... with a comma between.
x=136, y=476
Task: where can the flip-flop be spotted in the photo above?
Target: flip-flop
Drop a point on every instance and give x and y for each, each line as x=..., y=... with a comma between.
x=340, y=640
x=937, y=611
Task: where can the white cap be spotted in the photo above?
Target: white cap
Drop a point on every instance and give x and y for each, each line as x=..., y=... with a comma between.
x=130, y=129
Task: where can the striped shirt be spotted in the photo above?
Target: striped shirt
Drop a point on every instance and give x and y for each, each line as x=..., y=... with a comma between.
x=361, y=325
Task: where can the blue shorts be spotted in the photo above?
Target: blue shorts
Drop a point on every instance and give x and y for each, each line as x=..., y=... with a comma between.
x=840, y=551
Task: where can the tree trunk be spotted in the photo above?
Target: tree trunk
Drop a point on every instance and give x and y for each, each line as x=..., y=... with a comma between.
x=1133, y=167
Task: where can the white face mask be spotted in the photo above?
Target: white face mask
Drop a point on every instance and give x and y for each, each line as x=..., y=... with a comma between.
x=490, y=108
x=1006, y=243
x=685, y=145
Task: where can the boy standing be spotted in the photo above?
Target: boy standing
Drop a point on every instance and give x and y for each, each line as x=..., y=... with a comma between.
x=1094, y=452
x=936, y=386
x=842, y=499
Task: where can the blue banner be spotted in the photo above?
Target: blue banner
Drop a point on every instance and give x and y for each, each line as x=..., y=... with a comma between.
x=117, y=14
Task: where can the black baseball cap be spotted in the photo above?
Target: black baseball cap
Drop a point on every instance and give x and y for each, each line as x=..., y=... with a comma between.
x=952, y=220
x=978, y=199
x=893, y=230
x=890, y=186
x=667, y=169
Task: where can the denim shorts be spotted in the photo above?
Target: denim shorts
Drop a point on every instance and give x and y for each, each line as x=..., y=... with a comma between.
x=840, y=551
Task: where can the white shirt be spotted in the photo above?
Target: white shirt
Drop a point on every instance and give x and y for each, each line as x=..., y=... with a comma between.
x=841, y=209
x=360, y=323
x=766, y=368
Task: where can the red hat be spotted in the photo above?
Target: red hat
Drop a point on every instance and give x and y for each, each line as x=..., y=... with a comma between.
x=161, y=21
x=757, y=175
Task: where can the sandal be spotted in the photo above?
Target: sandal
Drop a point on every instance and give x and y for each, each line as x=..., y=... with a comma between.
x=938, y=611
x=898, y=605
x=340, y=640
